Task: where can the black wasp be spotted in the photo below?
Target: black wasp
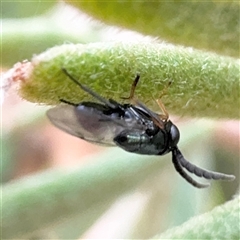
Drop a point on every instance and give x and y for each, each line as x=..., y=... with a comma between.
x=132, y=127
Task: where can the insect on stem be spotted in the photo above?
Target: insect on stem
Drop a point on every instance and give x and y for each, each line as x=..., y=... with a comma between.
x=133, y=127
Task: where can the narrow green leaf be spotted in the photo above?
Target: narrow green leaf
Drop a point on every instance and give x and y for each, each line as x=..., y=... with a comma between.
x=21, y=38
x=211, y=25
x=221, y=223
x=22, y=9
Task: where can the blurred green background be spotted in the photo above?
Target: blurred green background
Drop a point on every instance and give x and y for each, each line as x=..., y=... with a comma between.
x=55, y=186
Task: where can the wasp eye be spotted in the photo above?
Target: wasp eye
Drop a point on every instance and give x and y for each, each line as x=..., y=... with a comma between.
x=175, y=135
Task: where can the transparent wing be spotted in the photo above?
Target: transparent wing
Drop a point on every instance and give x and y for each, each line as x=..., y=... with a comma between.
x=90, y=124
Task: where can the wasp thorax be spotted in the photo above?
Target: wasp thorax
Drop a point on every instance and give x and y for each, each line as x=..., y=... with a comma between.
x=131, y=140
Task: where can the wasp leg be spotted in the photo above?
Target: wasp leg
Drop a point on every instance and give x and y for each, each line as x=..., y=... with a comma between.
x=134, y=85
x=88, y=90
x=164, y=91
x=67, y=102
x=165, y=115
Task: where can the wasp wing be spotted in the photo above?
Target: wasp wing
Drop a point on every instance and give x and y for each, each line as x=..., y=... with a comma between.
x=91, y=124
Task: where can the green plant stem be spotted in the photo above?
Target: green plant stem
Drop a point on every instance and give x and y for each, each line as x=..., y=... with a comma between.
x=221, y=223
x=203, y=84
x=211, y=25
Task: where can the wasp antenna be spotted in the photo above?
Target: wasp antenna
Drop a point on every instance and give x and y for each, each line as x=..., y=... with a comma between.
x=180, y=170
x=199, y=171
x=88, y=90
